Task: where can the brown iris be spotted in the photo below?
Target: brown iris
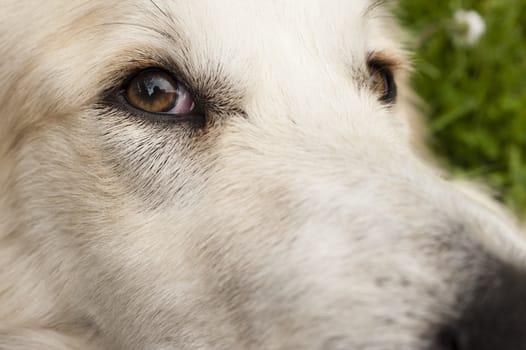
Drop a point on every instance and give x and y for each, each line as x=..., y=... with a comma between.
x=153, y=91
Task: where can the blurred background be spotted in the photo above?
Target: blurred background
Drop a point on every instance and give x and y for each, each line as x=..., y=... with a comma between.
x=471, y=72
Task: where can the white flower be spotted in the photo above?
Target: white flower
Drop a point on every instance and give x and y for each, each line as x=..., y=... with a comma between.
x=469, y=27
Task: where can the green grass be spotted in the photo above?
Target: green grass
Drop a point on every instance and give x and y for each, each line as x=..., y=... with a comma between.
x=476, y=95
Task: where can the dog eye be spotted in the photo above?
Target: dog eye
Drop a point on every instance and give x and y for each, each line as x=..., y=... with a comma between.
x=382, y=81
x=156, y=91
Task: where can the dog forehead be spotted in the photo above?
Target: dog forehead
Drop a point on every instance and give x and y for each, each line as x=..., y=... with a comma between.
x=268, y=23
x=273, y=13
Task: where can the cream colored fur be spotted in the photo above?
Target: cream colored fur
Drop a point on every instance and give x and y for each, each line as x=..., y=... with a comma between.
x=300, y=218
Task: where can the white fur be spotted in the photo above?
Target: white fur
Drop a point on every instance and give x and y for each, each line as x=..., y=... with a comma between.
x=307, y=222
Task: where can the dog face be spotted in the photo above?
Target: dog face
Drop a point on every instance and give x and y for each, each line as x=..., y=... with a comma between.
x=235, y=175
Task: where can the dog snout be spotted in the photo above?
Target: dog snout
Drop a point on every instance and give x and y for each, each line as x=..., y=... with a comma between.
x=495, y=317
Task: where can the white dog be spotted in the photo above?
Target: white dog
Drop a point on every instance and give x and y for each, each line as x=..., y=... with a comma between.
x=233, y=174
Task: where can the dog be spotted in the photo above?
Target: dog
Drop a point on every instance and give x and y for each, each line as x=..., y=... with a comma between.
x=234, y=174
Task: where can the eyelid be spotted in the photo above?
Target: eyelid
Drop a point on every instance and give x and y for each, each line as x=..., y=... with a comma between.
x=124, y=72
x=386, y=60
x=198, y=118
x=127, y=76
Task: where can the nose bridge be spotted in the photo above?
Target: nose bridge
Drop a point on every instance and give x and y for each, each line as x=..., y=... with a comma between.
x=390, y=182
x=306, y=102
x=324, y=122
x=304, y=94
x=302, y=83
